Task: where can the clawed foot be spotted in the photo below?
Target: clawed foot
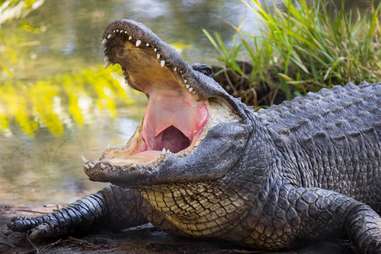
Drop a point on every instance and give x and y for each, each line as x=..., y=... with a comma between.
x=38, y=227
x=80, y=216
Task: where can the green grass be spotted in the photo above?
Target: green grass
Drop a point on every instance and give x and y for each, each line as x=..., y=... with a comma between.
x=306, y=47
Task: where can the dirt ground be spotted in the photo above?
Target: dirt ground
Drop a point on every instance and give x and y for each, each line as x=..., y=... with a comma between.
x=142, y=240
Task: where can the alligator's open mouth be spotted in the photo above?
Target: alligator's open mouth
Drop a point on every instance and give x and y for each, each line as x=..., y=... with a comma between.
x=175, y=116
x=189, y=121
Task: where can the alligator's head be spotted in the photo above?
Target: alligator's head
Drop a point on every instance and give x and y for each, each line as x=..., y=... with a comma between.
x=192, y=131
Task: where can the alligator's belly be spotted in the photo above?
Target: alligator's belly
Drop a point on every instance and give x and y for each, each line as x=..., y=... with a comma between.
x=197, y=210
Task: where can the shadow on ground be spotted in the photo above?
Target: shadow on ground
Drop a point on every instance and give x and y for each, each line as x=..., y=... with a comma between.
x=142, y=240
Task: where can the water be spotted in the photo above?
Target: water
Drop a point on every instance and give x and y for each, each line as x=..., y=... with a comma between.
x=65, y=36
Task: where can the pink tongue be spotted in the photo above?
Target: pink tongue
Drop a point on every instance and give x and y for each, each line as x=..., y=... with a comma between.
x=171, y=139
x=172, y=107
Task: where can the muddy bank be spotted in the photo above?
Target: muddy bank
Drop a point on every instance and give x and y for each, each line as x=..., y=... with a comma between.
x=142, y=240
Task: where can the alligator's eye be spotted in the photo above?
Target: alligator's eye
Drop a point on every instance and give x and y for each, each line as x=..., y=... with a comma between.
x=203, y=68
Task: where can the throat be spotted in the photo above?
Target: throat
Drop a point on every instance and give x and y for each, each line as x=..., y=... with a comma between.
x=172, y=120
x=171, y=139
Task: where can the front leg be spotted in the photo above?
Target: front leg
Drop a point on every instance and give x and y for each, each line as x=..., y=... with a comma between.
x=112, y=208
x=299, y=214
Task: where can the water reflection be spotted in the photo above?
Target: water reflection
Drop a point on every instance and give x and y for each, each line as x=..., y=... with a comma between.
x=48, y=169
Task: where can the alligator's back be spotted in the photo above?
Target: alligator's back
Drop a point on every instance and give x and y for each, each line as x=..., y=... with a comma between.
x=333, y=138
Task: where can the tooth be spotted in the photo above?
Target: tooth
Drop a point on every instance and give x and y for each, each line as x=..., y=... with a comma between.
x=116, y=31
x=185, y=81
x=147, y=44
x=138, y=42
x=162, y=63
x=187, y=86
x=108, y=36
x=106, y=61
x=175, y=69
x=190, y=89
x=155, y=49
x=163, y=150
x=121, y=31
x=158, y=56
x=84, y=159
x=130, y=38
x=125, y=32
x=104, y=41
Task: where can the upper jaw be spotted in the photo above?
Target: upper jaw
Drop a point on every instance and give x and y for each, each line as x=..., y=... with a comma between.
x=128, y=31
x=204, y=87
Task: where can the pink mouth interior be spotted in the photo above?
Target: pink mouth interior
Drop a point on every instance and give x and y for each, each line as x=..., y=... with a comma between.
x=173, y=119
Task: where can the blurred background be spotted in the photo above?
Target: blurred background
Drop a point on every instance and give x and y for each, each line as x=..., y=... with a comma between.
x=58, y=102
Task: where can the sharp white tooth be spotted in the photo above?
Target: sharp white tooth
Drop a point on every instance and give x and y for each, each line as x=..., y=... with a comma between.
x=104, y=41
x=187, y=86
x=147, y=44
x=175, y=69
x=185, y=81
x=113, y=31
x=190, y=89
x=158, y=56
x=84, y=159
x=121, y=31
x=163, y=150
x=117, y=31
x=106, y=61
x=108, y=36
x=138, y=42
x=125, y=32
x=162, y=63
x=130, y=38
x=155, y=49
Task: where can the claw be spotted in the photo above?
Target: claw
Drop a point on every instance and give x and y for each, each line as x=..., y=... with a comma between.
x=40, y=231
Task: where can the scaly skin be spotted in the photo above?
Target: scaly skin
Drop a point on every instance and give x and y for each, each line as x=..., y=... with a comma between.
x=307, y=169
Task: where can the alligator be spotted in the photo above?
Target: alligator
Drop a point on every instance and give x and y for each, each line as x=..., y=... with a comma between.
x=202, y=164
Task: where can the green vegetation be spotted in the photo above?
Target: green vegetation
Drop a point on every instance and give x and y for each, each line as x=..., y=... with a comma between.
x=306, y=47
x=60, y=99
x=31, y=98
x=51, y=81
x=15, y=9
